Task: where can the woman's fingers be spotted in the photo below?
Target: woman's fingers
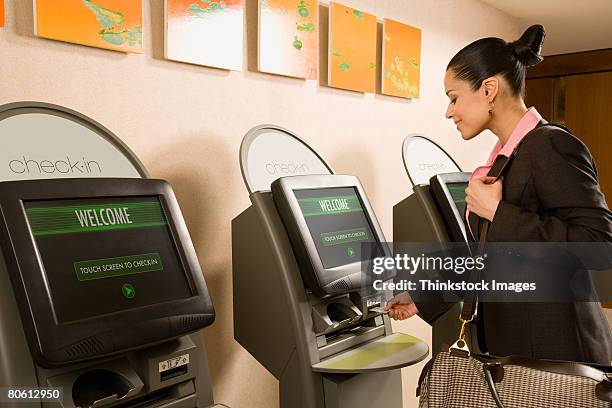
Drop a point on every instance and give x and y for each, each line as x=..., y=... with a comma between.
x=410, y=310
x=483, y=196
x=390, y=304
x=402, y=311
x=487, y=180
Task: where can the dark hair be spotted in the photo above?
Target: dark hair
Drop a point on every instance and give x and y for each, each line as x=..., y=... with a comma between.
x=493, y=56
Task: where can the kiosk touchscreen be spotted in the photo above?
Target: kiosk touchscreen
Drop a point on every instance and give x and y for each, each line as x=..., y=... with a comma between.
x=297, y=263
x=102, y=261
x=328, y=219
x=448, y=191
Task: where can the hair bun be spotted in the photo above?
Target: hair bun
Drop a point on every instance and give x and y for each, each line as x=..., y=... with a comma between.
x=529, y=46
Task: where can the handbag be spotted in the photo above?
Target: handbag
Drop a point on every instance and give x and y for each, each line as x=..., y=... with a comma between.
x=459, y=379
x=455, y=381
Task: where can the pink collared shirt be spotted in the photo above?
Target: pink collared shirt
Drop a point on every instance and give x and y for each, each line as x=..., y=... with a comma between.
x=527, y=123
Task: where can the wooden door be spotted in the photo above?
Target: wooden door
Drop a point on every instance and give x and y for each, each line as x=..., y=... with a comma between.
x=576, y=90
x=588, y=113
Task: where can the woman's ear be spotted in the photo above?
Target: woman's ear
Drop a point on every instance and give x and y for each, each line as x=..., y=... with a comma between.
x=490, y=87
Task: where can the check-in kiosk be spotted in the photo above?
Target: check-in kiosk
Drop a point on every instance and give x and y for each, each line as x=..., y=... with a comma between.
x=101, y=292
x=297, y=256
x=433, y=213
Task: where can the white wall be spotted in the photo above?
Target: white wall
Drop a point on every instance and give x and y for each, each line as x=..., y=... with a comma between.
x=186, y=123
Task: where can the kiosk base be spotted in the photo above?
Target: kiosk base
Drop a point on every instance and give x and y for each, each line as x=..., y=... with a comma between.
x=381, y=389
x=136, y=379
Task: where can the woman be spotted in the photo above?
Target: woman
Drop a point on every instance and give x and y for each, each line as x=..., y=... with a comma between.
x=549, y=193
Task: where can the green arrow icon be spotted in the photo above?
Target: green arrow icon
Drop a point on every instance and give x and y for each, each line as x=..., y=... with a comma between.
x=128, y=291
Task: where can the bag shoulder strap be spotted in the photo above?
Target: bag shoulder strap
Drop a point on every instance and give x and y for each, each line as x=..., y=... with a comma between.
x=470, y=302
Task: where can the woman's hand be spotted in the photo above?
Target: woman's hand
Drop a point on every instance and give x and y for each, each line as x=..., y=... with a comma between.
x=483, y=196
x=401, y=311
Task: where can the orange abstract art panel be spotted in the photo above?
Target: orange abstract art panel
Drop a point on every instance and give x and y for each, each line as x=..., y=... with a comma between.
x=205, y=32
x=1, y=13
x=289, y=37
x=111, y=24
x=401, y=60
x=352, y=49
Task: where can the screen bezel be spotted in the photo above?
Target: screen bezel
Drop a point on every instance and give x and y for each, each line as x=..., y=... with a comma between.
x=439, y=185
x=49, y=338
x=301, y=238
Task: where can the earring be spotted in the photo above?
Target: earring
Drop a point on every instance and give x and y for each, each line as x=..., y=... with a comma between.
x=491, y=107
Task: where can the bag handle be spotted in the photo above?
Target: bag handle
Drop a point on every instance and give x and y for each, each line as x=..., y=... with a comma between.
x=493, y=372
x=491, y=384
x=558, y=367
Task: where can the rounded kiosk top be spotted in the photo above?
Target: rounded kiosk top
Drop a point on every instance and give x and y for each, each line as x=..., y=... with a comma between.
x=45, y=141
x=423, y=159
x=269, y=152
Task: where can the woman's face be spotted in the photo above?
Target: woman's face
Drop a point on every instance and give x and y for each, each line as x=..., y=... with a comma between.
x=469, y=109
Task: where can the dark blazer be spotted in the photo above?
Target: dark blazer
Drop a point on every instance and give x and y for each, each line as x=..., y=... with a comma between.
x=550, y=194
